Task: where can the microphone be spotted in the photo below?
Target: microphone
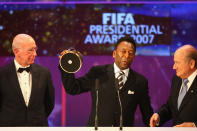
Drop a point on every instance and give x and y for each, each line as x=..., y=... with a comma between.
x=117, y=88
x=96, y=113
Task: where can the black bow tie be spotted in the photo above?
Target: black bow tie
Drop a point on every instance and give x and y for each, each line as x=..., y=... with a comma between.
x=20, y=70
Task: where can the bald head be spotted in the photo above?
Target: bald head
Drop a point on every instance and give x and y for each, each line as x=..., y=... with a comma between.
x=20, y=40
x=185, y=59
x=187, y=48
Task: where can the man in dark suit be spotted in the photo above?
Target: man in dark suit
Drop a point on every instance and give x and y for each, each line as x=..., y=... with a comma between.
x=26, y=89
x=181, y=105
x=132, y=86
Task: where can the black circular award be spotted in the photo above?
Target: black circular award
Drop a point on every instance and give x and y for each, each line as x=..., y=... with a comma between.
x=70, y=61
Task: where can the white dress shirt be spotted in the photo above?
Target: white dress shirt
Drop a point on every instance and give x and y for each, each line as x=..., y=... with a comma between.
x=190, y=79
x=25, y=82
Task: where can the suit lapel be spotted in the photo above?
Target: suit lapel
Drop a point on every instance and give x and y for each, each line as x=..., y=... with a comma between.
x=15, y=82
x=35, y=81
x=177, y=87
x=189, y=94
x=111, y=75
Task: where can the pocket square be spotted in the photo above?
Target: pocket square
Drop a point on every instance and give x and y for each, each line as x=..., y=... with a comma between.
x=131, y=92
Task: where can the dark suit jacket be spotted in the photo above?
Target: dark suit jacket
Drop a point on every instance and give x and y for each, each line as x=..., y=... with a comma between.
x=188, y=107
x=13, y=111
x=108, y=105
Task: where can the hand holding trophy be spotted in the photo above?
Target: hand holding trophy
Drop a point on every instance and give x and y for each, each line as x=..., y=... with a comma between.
x=70, y=60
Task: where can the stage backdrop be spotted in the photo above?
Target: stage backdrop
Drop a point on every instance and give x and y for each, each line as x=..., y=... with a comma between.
x=93, y=28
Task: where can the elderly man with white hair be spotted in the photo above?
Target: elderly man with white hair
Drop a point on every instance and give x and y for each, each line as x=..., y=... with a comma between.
x=181, y=106
x=26, y=89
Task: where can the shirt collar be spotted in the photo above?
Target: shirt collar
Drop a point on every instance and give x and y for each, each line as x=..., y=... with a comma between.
x=117, y=70
x=192, y=76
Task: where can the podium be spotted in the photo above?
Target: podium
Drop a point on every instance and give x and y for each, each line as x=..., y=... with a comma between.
x=99, y=129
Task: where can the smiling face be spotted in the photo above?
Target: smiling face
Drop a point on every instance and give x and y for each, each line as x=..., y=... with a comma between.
x=25, y=50
x=124, y=55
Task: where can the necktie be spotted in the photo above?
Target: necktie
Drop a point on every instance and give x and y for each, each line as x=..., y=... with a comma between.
x=182, y=92
x=20, y=70
x=120, y=80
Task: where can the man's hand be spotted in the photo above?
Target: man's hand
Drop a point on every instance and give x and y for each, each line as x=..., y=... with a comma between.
x=186, y=124
x=154, y=120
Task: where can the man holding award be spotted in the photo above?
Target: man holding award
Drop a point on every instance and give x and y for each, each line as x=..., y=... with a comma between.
x=120, y=91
